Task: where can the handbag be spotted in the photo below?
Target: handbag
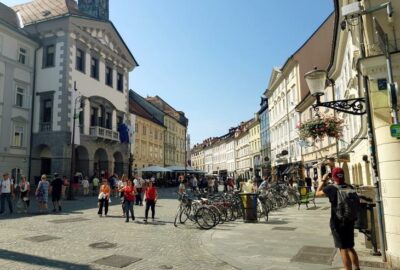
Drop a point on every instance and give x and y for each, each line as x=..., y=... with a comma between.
x=101, y=195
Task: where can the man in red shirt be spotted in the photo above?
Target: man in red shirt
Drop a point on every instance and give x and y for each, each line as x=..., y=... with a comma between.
x=151, y=199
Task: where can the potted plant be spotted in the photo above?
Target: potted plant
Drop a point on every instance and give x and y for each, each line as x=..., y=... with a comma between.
x=319, y=126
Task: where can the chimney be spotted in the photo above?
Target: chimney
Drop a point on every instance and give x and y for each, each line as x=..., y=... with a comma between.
x=95, y=8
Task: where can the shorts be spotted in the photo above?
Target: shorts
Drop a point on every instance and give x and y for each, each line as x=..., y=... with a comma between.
x=55, y=197
x=343, y=236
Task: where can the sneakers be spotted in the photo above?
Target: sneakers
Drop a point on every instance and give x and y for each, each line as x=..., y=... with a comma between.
x=145, y=220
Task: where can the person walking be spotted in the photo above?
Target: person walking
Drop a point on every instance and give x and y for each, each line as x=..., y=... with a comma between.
x=85, y=186
x=42, y=194
x=121, y=184
x=64, y=187
x=182, y=187
x=25, y=189
x=151, y=199
x=56, y=190
x=129, y=198
x=138, y=186
x=104, y=197
x=7, y=192
x=342, y=229
x=95, y=185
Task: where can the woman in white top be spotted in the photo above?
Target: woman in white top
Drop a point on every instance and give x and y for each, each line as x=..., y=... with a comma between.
x=25, y=189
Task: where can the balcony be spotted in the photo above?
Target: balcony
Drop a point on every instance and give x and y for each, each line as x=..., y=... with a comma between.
x=105, y=134
x=45, y=127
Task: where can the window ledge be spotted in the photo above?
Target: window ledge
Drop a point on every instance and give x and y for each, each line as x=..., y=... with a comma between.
x=21, y=108
x=81, y=71
x=18, y=147
x=47, y=67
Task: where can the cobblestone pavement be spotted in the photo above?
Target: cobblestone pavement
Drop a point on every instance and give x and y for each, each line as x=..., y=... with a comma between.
x=159, y=245
x=62, y=241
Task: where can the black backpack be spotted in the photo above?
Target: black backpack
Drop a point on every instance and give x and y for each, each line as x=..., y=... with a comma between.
x=348, y=204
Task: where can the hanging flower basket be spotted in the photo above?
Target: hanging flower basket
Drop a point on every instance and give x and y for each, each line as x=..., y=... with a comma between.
x=320, y=126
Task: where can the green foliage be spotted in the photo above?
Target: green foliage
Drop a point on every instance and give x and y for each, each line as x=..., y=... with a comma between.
x=320, y=126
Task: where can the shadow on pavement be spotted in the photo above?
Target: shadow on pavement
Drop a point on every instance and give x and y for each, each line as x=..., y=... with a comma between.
x=277, y=222
x=41, y=261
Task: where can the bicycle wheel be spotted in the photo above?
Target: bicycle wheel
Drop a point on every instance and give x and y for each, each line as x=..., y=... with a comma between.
x=178, y=213
x=217, y=214
x=185, y=213
x=205, y=218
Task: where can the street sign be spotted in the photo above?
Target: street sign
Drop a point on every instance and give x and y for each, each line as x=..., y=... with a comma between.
x=395, y=130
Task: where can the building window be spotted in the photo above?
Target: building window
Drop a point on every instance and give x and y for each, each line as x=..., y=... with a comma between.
x=22, y=56
x=49, y=55
x=18, y=136
x=120, y=82
x=46, y=117
x=94, y=68
x=80, y=60
x=119, y=120
x=19, y=98
x=93, y=117
x=144, y=130
x=108, y=120
x=109, y=76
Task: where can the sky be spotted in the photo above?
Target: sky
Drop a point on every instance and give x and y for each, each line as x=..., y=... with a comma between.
x=211, y=59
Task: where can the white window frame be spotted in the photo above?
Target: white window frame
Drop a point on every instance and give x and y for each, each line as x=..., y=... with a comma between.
x=24, y=95
x=21, y=135
x=26, y=55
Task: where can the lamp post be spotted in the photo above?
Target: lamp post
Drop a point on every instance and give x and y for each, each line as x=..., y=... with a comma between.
x=75, y=115
x=316, y=81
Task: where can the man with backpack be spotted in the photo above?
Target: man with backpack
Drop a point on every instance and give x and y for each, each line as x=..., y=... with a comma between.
x=345, y=205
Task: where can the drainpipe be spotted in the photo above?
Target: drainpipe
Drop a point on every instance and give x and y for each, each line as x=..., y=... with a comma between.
x=32, y=114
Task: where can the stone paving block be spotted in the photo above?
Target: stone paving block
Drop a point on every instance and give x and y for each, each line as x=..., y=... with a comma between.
x=102, y=245
x=284, y=228
x=41, y=238
x=314, y=254
x=118, y=261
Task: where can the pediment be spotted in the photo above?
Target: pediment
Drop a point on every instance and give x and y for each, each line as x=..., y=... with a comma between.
x=19, y=119
x=275, y=74
x=104, y=34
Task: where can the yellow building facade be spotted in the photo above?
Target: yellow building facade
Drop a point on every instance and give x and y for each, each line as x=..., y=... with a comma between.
x=255, y=146
x=148, y=147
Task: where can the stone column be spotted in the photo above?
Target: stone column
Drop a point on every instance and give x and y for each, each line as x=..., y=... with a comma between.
x=388, y=150
x=86, y=117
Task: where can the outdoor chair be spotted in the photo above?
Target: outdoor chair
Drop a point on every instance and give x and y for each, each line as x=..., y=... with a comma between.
x=306, y=196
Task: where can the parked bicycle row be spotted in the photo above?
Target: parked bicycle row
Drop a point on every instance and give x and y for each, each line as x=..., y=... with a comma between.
x=207, y=210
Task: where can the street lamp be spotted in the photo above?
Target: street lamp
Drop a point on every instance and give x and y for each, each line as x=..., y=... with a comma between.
x=75, y=115
x=316, y=81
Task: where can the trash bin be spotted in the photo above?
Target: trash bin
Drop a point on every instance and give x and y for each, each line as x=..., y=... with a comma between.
x=365, y=222
x=249, y=203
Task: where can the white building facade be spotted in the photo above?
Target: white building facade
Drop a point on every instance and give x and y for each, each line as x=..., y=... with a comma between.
x=17, y=58
x=79, y=56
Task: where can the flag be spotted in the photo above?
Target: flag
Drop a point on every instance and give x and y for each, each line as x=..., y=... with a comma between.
x=123, y=133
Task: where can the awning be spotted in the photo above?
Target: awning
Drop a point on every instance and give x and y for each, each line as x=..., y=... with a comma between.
x=181, y=168
x=154, y=169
